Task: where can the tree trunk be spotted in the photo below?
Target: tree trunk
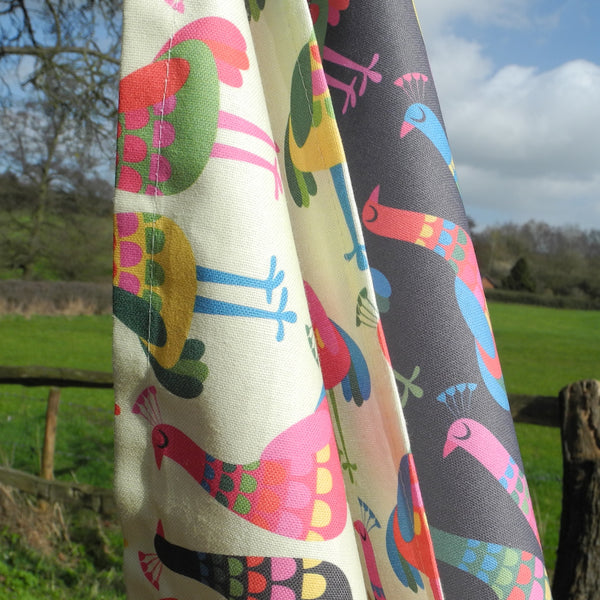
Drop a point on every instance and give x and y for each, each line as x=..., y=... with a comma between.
x=577, y=574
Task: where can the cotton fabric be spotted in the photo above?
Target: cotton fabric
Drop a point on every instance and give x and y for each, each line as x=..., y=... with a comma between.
x=309, y=402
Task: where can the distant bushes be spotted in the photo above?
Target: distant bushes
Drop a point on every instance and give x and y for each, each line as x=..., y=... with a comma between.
x=85, y=298
x=555, y=262
x=573, y=302
x=54, y=297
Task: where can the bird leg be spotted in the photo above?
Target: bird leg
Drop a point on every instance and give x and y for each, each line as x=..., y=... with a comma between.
x=177, y=5
x=345, y=87
x=233, y=153
x=151, y=566
x=272, y=282
x=367, y=72
x=220, y=307
x=241, y=125
x=358, y=249
x=343, y=451
x=236, y=123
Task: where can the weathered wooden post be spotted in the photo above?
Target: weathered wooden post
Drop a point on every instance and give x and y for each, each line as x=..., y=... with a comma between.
x=50, y=434
x=577, y=574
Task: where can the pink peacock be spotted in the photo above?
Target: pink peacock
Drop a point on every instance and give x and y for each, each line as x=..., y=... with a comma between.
x=512, y=573
x=363, y=527
x=482, y=445
x=294, y=489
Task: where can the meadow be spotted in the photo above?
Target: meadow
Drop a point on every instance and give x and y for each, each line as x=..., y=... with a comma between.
x=84, y=448
x=62, y=554
x=541, y=350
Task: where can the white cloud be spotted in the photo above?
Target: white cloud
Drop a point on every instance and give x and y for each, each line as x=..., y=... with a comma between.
x=440, y=15
x=492, y=198
x=525, y=141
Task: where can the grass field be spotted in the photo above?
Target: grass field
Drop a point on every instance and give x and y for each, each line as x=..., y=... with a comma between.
x=84, y=448
x=541, y=351
x=77, y=556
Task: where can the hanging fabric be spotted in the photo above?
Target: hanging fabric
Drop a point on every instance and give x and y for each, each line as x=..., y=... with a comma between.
x=309, y=402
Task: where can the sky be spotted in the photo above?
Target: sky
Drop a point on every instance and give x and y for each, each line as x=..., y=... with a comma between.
x=519, y=87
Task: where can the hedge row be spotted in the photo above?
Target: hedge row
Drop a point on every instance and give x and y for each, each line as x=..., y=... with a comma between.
x=572, y=302
x=54, y=297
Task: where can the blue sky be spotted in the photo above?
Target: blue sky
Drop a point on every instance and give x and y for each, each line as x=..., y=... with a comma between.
x=519, y=86
x=558, y=32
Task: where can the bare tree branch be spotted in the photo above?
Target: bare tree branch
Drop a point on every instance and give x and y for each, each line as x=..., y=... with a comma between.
x=42, y=52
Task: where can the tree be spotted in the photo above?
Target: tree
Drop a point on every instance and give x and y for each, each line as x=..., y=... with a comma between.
x=66, y=49
x=59, y=73
x=520, y=278
x=53, y=163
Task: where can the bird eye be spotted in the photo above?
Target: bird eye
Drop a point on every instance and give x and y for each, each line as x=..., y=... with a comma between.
x=467, y=433
x=159, y=438
x=373, y=216
x=421, y=119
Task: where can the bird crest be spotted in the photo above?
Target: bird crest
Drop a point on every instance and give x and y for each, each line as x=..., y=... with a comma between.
x=367, y=516
x=147, y=407
x=413, y=85
x=458, y=399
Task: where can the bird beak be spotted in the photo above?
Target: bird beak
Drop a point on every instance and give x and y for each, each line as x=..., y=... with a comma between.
x=158, y=456
x=406, y=128
x=158, y=443
x=449, y=446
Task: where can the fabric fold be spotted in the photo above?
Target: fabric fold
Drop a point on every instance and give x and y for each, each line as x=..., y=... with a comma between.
x=284, y=298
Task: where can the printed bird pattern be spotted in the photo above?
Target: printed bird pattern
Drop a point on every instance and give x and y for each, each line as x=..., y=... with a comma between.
x=512, y=574
x=363, y=527
x=407, y=534
x=246, y=577
x=312, y=141
x=421, y=117
x=483, y=446
x=171, y=108
x=177, y=5
x=406, y=190
x=294, y=488
x=368, y=312
x=192, y=106
x=154, y=289
x=453, y=244
x=342, y=362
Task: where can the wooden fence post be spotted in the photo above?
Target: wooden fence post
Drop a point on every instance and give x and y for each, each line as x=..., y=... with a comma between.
x=577, y=574
x=50, y=434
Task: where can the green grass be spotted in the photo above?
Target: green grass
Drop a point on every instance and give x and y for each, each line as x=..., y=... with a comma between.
x=84, y=446
x=82, y=342
x=80, y=559
x=541, y=351
x=88, y=563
